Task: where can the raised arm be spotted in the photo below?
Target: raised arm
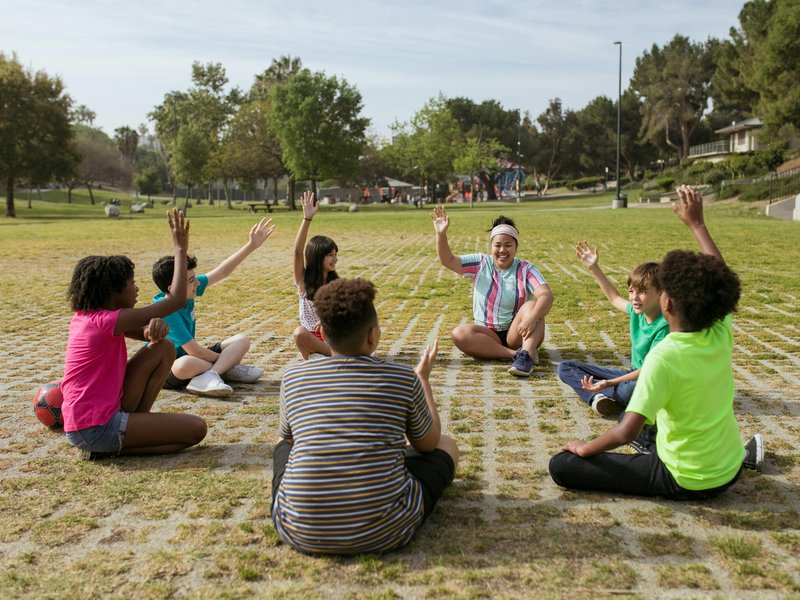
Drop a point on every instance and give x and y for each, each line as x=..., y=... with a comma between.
x=429, y=442
x=130, y=319
x=689, y=209
x=440, y=224
x=591, y=260
x=258, y=235
x=310, y=208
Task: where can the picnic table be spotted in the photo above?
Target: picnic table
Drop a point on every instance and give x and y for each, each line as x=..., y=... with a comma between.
x=254, y=207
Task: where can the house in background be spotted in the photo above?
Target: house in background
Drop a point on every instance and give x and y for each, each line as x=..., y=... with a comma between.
x=741, y=137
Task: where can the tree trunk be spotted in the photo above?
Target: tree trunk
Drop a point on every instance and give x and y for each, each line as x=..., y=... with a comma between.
x=29, y=199
x=210, y=190
x=91, y=194
x=10, y=212
x=227, y=195
x=314, y=186
x=275, y=190
x=39, y=193
x=290, y=194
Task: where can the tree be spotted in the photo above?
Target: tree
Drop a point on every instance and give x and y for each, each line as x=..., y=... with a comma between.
x=190, y=155
x=99, y=160
x=558, y=143
x=317, y=120
x=482, y=157
x=673, y=83
x=490, y=121
x=205, y=106
x=35, y=135
x=424, y=148
x=280, y=71
x=148, y=182
x=249, y=150
x=127, y=140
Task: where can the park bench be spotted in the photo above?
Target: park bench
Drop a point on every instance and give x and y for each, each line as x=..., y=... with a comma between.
x=254, y=207
x=649, y=199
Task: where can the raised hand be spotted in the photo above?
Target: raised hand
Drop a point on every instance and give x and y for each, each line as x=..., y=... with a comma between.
x=689, y=207
x=423, y=368
x=179, y=227
x=261, y=231
x=440, y=219
x=585, y=253
x=310, y=207
x=590, y=385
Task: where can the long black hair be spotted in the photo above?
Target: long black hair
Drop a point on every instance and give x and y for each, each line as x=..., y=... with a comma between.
x=317, y=248
x=96, y=278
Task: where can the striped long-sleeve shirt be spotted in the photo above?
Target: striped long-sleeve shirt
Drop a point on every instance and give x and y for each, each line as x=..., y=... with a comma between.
x=497, y=294
x=346, y=488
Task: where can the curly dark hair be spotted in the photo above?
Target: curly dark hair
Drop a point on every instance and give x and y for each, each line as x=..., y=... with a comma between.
x=96, y=278
x=702, y=288
x=346, y=311
x=317, y=248
x=644, y=277
x=164, y=270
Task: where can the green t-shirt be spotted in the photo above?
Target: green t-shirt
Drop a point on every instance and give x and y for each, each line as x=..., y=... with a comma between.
x=686, y=387
x=644, y=335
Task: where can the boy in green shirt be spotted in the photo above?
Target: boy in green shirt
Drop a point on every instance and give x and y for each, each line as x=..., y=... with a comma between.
x=685, y=386
x=608, y=391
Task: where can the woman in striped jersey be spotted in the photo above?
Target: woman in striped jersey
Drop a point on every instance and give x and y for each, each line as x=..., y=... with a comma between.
x=510, y=298
x=344, y=479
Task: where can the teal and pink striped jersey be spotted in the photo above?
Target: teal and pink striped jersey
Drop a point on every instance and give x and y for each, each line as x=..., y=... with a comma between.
x=498, y=295
x=346, y=488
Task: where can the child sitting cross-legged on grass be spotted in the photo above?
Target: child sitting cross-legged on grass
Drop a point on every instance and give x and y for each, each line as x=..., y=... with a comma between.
x=685, y=386
x=344, y=479
x=608, y=391
x=200, y=369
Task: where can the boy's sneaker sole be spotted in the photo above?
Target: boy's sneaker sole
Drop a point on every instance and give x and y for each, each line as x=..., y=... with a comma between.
x=639, y=447
x=215, y=393
x=605, y=406
x=89, y=455
x=519, y=373
x=754, y=453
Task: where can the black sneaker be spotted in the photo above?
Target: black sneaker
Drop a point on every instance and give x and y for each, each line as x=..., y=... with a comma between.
x=754, y=453
x=605, y=406
x=640, y=447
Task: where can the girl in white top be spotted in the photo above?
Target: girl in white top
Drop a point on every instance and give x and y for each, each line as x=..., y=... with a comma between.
x=318, y=268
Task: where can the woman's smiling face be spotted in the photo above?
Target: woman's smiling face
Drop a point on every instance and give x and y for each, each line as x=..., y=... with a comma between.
x=504, y=249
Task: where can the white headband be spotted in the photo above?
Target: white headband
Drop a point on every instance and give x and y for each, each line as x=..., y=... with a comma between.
x=505, y=229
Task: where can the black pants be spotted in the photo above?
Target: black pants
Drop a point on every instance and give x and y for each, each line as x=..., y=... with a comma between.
x=636, y=474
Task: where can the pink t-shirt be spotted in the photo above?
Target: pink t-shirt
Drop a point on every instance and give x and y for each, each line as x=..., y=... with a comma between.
x=94, y=369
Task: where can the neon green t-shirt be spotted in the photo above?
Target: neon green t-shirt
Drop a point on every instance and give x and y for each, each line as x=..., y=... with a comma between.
x=644, y=335
x=686, y=387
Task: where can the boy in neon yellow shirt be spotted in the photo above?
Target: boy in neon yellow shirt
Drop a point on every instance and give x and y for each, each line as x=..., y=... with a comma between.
x=685, y=386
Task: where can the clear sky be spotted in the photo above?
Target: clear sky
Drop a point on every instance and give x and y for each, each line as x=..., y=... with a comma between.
x=120, y=57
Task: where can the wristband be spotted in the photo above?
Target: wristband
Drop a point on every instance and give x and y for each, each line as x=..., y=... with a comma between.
x=304, y=219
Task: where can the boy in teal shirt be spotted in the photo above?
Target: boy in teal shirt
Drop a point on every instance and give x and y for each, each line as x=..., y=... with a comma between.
x=206, y=370
x=608, y=391
x=685, y=386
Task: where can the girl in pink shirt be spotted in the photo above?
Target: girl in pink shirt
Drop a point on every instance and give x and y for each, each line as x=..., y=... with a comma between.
x=107, y=398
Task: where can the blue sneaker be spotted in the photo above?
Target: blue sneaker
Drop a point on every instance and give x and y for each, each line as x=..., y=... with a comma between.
x=522, y=365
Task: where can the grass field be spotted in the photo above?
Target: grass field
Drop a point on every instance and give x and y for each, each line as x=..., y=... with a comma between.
x=197, y=525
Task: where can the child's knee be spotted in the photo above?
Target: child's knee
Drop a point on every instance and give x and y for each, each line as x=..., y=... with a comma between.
x=459, y=335
x=564, y=367
x=299, y=333
x=197, y=429
x=558, y=466
x=241, y=341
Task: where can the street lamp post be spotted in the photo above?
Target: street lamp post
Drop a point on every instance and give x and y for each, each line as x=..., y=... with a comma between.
x=619, y=201
x=519, y=165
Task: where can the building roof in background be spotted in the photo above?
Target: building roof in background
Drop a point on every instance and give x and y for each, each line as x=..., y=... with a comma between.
x=751, y=123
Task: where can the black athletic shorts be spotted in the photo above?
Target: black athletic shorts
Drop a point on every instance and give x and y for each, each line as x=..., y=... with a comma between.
x=434, y=471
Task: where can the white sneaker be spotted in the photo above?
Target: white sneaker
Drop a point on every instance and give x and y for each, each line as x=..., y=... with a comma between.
x=242, y=374
x=315, y=355
x=209, y=384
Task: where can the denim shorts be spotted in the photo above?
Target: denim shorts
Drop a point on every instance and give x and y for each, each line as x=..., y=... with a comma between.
x=101, y=438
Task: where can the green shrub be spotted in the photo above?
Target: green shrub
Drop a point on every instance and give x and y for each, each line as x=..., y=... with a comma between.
x=584, y=183
x=699, y=167
x=666, y=182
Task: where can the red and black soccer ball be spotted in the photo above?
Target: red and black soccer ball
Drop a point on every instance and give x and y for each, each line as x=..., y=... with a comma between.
x=47, y=405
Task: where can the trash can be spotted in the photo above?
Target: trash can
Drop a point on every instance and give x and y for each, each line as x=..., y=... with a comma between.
x=621, y=202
